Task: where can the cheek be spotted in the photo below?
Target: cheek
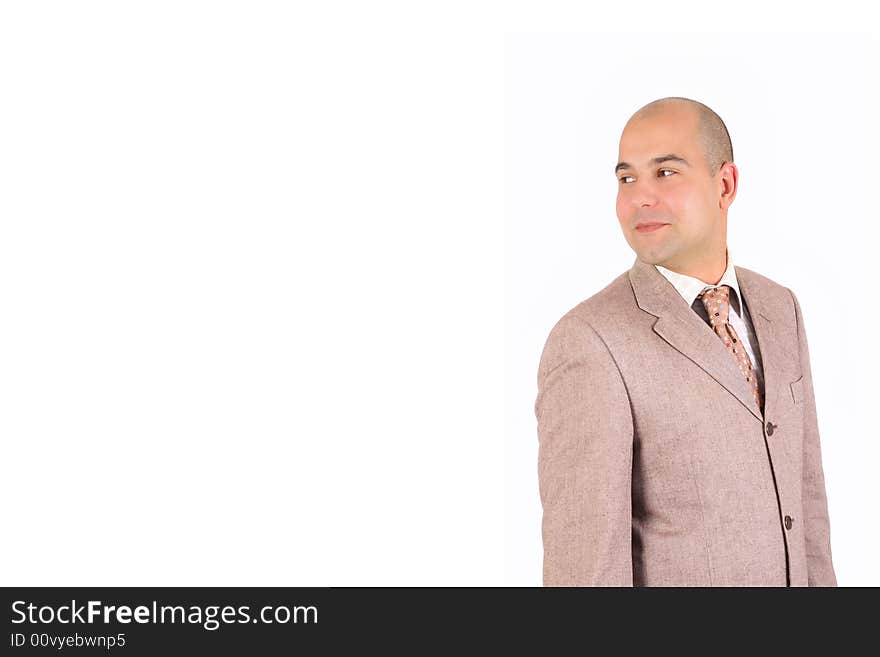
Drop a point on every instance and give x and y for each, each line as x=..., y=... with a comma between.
x=626, y=204
x=683, y=203
x=621, y=206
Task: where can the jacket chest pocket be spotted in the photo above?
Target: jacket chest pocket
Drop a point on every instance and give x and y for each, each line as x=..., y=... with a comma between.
x=797, y=390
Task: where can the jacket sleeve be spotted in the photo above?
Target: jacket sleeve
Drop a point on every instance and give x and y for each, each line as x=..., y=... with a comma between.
x=820, y=571
x=585, y=437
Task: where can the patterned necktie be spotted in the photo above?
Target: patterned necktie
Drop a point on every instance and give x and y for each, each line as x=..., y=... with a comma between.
x=717, y=303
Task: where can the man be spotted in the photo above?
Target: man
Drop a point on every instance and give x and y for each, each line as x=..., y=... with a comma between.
x=678, y=439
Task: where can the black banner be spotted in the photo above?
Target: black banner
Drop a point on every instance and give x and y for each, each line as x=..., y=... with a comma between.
x=227, y=620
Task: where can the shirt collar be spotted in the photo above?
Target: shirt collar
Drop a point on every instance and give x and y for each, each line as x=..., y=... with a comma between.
x=690, y=288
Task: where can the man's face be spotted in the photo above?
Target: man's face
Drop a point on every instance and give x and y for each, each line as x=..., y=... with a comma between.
x=683, y=195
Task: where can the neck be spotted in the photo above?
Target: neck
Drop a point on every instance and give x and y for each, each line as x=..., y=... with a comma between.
x=709, y=269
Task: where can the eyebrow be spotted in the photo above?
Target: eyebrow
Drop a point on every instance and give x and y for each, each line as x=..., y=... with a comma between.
x=669, y=157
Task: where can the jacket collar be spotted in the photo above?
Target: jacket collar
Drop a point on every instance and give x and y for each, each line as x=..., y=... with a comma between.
x=685, y=331
x=690, y=287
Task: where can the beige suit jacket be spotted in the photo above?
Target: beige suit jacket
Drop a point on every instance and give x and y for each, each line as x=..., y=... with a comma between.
x=655, y=466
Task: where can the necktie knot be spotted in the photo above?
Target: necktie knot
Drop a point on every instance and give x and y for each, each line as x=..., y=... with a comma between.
x=717, y=303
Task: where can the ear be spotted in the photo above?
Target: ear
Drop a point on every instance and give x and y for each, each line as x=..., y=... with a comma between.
x=729, y=182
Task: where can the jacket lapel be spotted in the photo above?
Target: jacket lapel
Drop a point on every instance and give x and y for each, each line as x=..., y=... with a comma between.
x=779, y=357
x=685, y=331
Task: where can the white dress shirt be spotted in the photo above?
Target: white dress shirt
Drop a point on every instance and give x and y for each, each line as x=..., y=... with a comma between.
x=690, y=289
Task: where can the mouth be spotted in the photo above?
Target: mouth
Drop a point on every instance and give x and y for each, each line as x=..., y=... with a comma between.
x=650, y=227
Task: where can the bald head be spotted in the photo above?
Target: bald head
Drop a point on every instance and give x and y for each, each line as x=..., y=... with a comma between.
x=710, y=129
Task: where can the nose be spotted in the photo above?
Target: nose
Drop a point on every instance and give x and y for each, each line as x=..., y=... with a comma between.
x=644, y=199
x=640, y=195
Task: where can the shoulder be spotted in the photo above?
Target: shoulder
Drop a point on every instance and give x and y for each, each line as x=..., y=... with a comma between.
x=580, y=329
x=607, y=302
x=755, y=278
x=774, y=296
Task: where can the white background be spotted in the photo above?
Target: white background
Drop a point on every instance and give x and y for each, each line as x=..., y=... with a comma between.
x=801, y=111
x=253, y=280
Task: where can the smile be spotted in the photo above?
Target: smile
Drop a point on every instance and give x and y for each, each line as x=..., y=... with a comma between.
x=650, y=228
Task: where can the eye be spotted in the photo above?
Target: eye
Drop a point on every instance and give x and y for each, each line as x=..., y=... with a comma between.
x=622, y=179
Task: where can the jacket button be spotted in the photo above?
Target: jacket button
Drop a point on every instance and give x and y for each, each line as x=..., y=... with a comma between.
x=788, y=522
x=770, y=428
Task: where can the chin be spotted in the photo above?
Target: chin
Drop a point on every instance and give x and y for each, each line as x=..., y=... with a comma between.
x=651, y=256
